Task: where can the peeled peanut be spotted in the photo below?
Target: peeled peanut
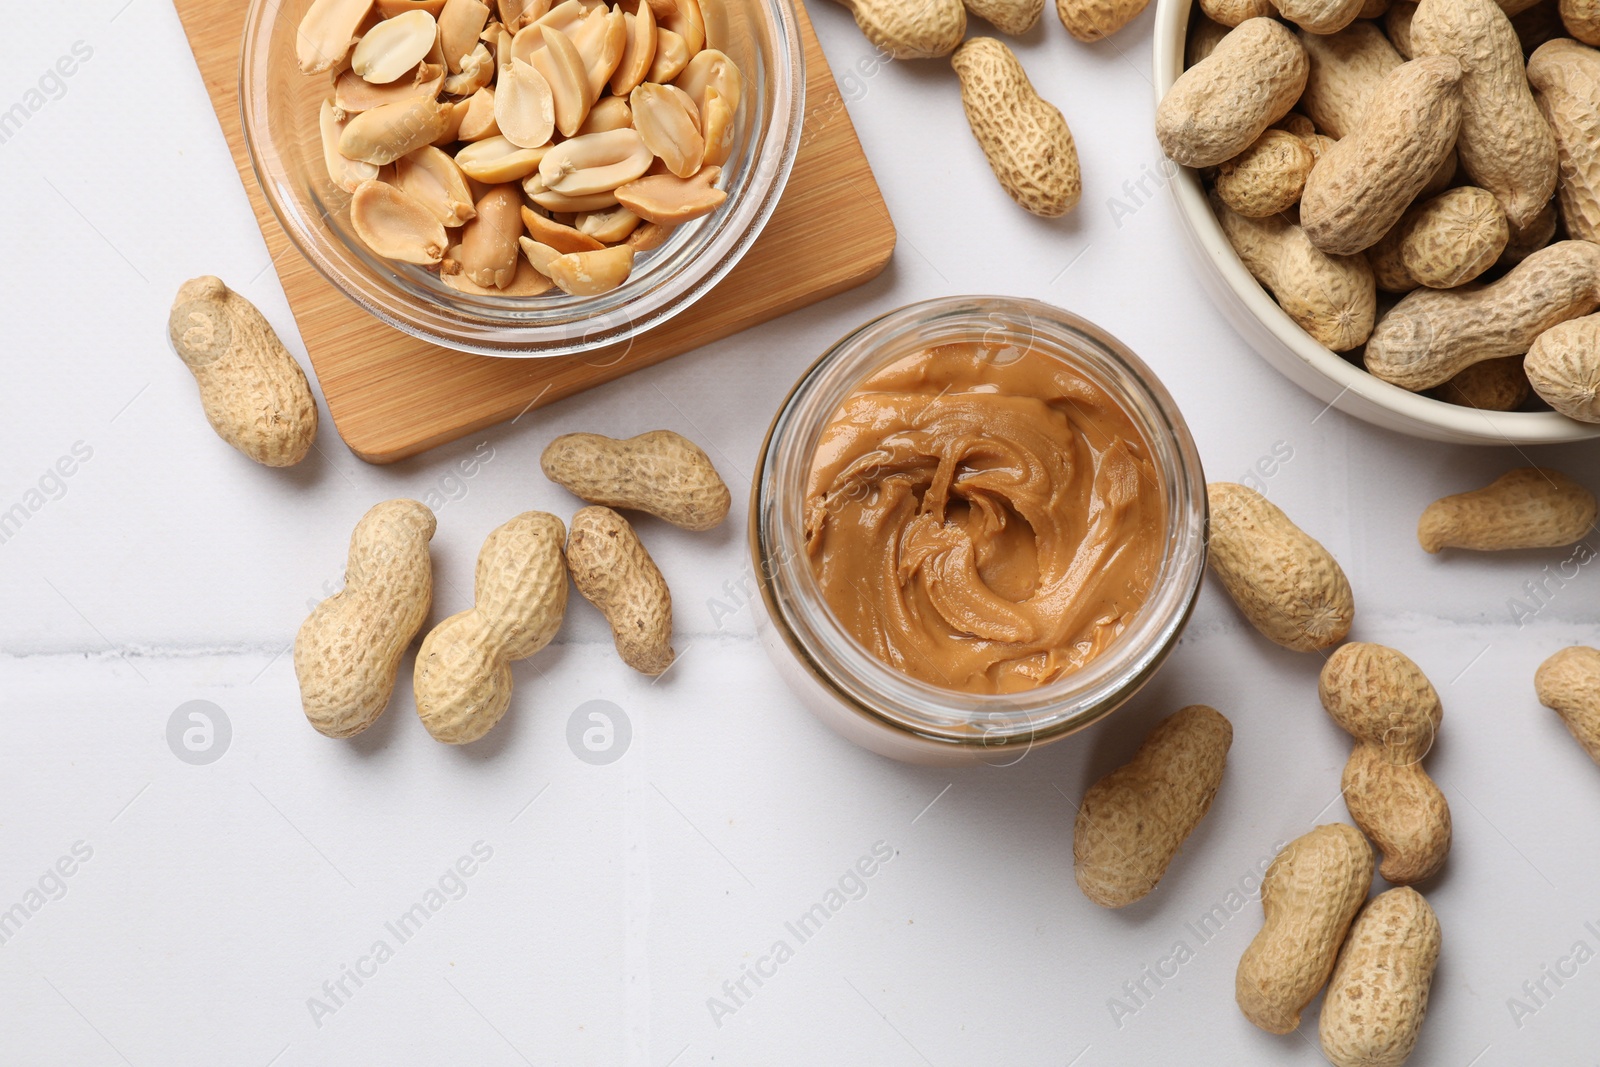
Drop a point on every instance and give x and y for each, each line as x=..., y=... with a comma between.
x=1373, y=1010
x=1568, y=683
x=1433, y=334
x=1564, y=368
x=581, y=273
x=255, y=395
x=435, y=181
x=348, y=651
x=668, y=122
x=612, y=570
x=670, y=200
x=346, y=173
x=396, y=225
x=387, y=132
x=1220, y=105
x=1364, y=183
x=660, y=472
x=463, y=673
x=489, y=241
x=1308, y=897
x=327, y=32
x=907, y=30
x=1133, y=821
x=1530, y=507
x=1290, y=588
x=1384, y=701
x=596, y=162
x=394, y=46
x=638, y=50
x=1027, y=142
x=562, y=238
x=495, y=160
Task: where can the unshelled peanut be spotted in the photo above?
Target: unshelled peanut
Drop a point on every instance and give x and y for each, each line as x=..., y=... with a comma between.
x=911, y=29
x=1027, y=142
x=1012, y=17
x=1505, y=144
x=1493, y=385
x=1344, y=71
x=612, y=570
x=1373, y=1010
x=1384, y=701
x=348, y=651
x=1267, y=177
x=1564, y=368
x=1220, y=105
x=1320, y=16
x=254, y=394
x=1530, y=507
x=1090, y=20
x=1568, y=683
x=1332, y=298
x=463, y=673
x=1565, y=76
x=1133, y=821
x=1309, y=895
x=659, y=472
x=1288, y=586
x=1362, y=185
x=1433, y=334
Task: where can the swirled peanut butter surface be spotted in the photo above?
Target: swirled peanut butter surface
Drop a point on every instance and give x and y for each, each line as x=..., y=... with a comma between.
x=983, y=518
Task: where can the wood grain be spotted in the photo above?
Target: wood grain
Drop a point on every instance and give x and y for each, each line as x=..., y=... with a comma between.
x=392, y=396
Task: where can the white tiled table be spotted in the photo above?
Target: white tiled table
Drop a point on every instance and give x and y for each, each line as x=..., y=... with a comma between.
x=208, y=904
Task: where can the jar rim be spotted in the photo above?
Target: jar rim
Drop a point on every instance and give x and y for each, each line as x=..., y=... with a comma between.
x=849, y=670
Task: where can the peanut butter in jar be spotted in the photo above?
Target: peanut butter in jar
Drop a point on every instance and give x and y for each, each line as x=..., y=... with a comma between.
x=983, y=517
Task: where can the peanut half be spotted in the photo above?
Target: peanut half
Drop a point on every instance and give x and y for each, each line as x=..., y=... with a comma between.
x=1133, y=821
x=612, y=570
x=1531, y=507
x=348, y=651
x=1027, y=142
x=463, y=673
x=1568, y=683
x=1309, y=895
x=1373, y=1010
x=1384, y=701
x=1288, y=586
x=254, y=394
x=659, y=472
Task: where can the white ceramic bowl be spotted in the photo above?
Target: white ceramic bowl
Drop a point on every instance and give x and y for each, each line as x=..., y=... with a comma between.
x=1280, y=342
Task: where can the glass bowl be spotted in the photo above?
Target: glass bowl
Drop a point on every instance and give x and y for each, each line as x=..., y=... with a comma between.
x=1281, y=342
x=279, y=108
x=887, y=711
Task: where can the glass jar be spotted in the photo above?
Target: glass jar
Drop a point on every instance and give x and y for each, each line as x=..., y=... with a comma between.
x=280, y=109
x=872, y=703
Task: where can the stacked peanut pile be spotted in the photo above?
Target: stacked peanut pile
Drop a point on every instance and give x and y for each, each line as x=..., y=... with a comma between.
x=1370, y=151
x=524, y=147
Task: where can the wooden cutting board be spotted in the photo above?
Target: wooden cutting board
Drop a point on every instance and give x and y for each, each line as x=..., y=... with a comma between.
x=392, y=396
